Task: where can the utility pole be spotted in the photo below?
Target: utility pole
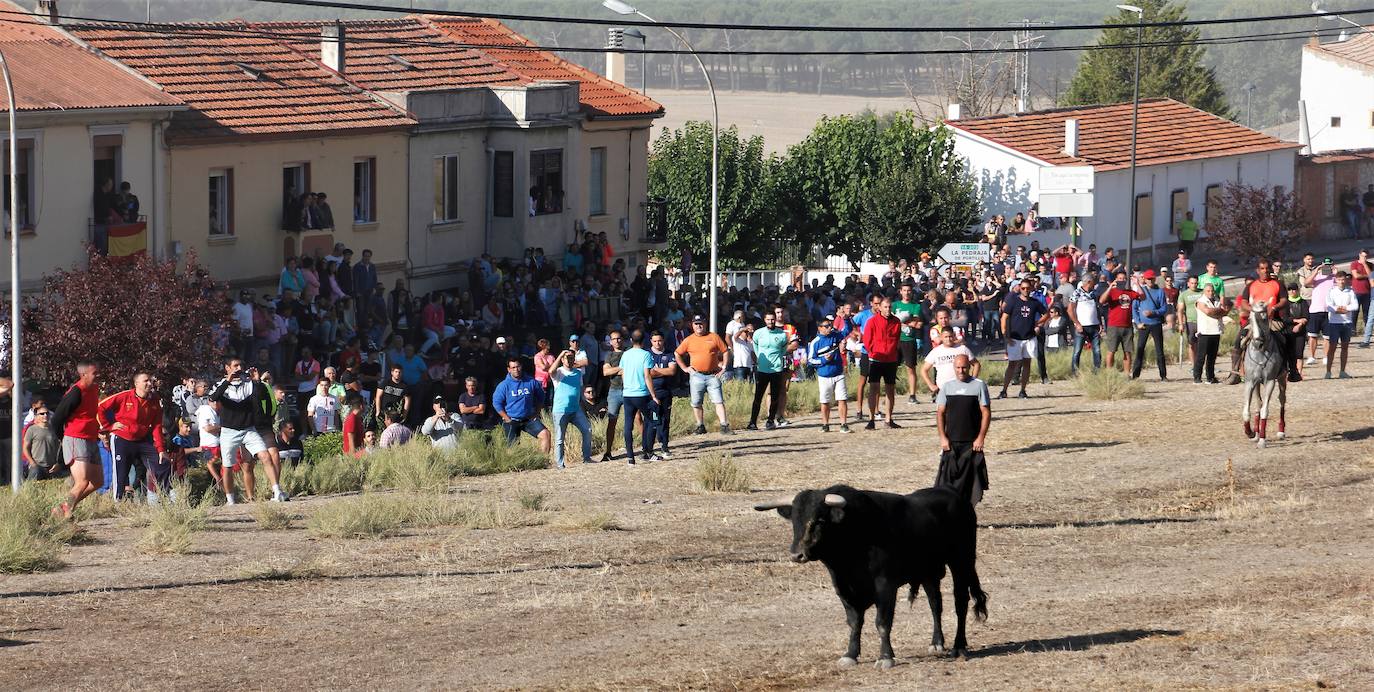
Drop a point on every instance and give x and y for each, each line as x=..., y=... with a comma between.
x=1023, y=42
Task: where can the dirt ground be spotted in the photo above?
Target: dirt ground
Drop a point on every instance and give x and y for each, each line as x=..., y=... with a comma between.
x=1117, y=551
x=781, y=119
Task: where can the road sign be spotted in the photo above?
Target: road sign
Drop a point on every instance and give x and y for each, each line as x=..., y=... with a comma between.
x=965, y=253
x=1066, y=179
x=1066, y=204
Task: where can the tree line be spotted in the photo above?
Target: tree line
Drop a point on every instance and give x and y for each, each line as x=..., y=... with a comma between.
x=881, y=186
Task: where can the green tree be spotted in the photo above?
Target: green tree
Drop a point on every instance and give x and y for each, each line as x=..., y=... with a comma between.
x=1175, y=71
x=680, y=171
x=879, y=186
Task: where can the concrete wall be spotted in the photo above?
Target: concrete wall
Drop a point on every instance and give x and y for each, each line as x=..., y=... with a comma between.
x=1331, y=86
x=254, y=254
x=64, y=187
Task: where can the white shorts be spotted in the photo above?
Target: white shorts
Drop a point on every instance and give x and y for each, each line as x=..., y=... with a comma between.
x=230, y=440
x=833, y=389
x=1018, y=349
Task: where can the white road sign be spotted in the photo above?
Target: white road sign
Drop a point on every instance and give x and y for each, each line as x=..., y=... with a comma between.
x=1066, y=204
x=965, y=253
x=1066, y=179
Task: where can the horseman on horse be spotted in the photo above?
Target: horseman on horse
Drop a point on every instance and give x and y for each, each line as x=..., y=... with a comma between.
x=1261, y=304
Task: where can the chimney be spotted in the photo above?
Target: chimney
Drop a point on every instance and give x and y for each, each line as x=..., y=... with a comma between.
x=615, y=59
x=1304, y=130
x=955, y=112
x=333, y=49
x=1071, y=137
x=48, y=9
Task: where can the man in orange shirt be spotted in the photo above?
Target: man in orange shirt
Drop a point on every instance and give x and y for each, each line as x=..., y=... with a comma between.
x=1262, y=289
x=705, y=366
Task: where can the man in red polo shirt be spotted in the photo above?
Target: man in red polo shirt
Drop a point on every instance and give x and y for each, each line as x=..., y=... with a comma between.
x=881, y=334
x=75, y=416
x=134, y=417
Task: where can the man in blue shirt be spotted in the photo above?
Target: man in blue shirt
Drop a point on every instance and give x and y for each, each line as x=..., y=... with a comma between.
x=664, y=372
x=517, y=400
x=636, y=366
x=1148, y=314
x=825, y=354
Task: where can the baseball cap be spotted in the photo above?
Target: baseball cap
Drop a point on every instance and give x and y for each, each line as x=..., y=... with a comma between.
x=439, y=399
x=1149, y=274
x=698, y=318
x=830, y=319
x=500, y=339
x=574, y=337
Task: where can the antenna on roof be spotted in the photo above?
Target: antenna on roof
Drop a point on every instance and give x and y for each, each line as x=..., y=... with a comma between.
x=249, y=70
x=402, y=62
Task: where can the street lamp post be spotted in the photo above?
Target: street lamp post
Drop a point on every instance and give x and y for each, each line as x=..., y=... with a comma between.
x=621, y=7
x=16, y=366
x=643, y=58
x=1135, y=127
x=1249, y=89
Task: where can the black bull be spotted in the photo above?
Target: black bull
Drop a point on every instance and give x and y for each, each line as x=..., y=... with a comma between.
x=873, y=543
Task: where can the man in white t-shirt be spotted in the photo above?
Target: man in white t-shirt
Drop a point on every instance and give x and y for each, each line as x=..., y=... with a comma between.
x=207, y=422
x=1341, y=307
x=1087, y=321
x=322, y=410
x=941, y=358
x=732, y=328
x=1315, y=283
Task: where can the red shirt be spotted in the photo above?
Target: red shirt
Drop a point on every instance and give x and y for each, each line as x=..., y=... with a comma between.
x=1063, y=262
x=880, y=338
x=1359, y=277
x=76, y=412
x=1119, y=307
x=353, y=432
x=142, y=418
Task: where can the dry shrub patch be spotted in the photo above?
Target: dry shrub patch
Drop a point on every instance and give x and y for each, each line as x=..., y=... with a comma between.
x=272, y=516
x=721, y=473
x=1108, y=384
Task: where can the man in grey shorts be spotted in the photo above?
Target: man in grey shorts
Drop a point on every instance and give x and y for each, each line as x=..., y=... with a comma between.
x=239, y=400
x=75, y=416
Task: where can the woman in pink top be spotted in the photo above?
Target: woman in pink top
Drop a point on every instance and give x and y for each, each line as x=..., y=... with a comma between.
x=312, y=280
x=543, y=363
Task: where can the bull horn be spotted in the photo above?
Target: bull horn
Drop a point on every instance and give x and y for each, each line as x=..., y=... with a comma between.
x=765, y=506
x=833, y=500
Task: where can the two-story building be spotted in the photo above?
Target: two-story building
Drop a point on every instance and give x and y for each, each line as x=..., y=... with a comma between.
x=84, y=126
x=1336, y=110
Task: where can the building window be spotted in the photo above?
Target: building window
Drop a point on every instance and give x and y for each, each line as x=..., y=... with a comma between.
x=503, y=184
x=1213, y=203
x=365, y=190
x=1335, y=121
x=1371, y=118
x=24, y=218
x=295, y=184
x=596, y=191
x=1144, y=217
x=222, y=202
x=445, y=188
x=546, y=182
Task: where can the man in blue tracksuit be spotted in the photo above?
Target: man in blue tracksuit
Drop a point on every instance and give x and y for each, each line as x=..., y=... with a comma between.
x=1148, y=315
x=825, y=354
x=517, y=400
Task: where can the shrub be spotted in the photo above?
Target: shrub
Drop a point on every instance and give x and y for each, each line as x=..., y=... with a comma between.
x=271, y=516
x=336, y=474
x=485, y=453
x=415, y=466
x=369, y=516
x=721, y=473
x=532, y=501
x=321, y=447
x=173, y=522
x=1109, y=385
x=588, y=521
x=30, y=539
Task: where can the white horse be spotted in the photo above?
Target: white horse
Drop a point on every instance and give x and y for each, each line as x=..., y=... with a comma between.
x=1265, y=366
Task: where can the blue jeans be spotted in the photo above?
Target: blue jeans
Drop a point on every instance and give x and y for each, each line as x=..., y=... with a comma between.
x=643, y=405
x=560, y=428
x=1352, y=222
x=1091, y=334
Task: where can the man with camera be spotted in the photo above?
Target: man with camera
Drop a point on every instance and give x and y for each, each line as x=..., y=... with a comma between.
x=239, y=398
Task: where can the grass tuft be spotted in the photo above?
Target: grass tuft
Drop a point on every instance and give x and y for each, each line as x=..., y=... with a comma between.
x=486, y=453
x=272, y=516
x=721, y=473
x=533, y=502
x=369, y=516
x=173, y=523
x=1109, y=385
x=588, y=521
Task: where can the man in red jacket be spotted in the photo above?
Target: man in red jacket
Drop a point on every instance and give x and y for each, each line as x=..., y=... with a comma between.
x=75, y=416
x=134, y=417
x=880, y=336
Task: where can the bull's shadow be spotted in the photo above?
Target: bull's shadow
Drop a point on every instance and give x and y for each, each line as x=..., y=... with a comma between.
x=1076, y=642
x=1063, y=446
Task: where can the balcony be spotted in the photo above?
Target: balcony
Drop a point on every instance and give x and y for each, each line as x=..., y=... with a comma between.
x=120, y=239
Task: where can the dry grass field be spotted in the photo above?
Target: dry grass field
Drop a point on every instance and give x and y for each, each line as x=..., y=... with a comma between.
x=1133, y=544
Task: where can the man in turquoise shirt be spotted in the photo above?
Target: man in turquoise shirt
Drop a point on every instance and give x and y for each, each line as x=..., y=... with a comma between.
x=640, y=398
x=771, y=346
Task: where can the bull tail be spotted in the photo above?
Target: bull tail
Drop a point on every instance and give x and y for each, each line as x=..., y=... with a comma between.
x=911, y=595
x=980, y=598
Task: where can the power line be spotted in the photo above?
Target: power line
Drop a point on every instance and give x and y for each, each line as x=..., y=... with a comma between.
x=503, y=16
x=209, y=31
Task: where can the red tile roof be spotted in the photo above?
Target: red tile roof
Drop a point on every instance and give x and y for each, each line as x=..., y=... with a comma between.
x=1358, y=49
x=421, y=53
x=1169, y=132
x=1342, y=156
x=242, y=85
x=51, y=72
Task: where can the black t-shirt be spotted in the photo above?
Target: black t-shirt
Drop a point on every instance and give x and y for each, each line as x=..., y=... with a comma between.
x=963, y=403
x=369, y=374
x=393, y=397
x=1022, y=315
x=472, y=420
x=613, y=360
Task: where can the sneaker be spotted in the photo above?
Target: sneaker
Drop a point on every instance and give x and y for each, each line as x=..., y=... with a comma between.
x=1295, y=377
x=1310, y=360
x=752, y=426
x=1214, y=381
x=879, y=415
x=1328, y=374
x=825, y=427
x=658, y=456
x=870, y=426
x=630, y=462
x=1345, y=375
x=701, y=430
x=1197, y=380
x=844, y=428
x=891, y=424
x=1002, y=394
x=605, y=456
x=1044, y=380
x=911, y=399
x=1363, y=344
x=280, y=496
x=783, y=422
x=725, y=430
x=589, y=460
x=770, y=425
x=230, y=500
x=1023, y=395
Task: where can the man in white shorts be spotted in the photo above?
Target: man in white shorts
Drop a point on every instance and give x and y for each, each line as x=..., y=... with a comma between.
x=207, y=422
x=238, y=398
x=1021, y=316
x=825, y=354
x=941, y=358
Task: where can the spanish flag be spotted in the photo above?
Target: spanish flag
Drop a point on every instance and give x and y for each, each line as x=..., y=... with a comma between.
x=128, y=239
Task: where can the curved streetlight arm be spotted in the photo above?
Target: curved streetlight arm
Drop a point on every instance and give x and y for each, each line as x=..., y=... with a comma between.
x=16, y=300
x=715, y=173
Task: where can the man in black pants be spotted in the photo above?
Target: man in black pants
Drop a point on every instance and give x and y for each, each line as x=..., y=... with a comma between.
x=771, y=346
x=664, y=369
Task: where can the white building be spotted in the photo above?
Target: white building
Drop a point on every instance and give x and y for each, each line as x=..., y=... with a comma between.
x=1337, y=93
x=1184, y=156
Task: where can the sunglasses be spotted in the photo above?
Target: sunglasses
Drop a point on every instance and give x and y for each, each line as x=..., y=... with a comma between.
x=41, y=413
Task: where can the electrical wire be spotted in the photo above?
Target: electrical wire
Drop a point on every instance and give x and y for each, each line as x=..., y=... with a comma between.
x=209, y=31
x=340, y=5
